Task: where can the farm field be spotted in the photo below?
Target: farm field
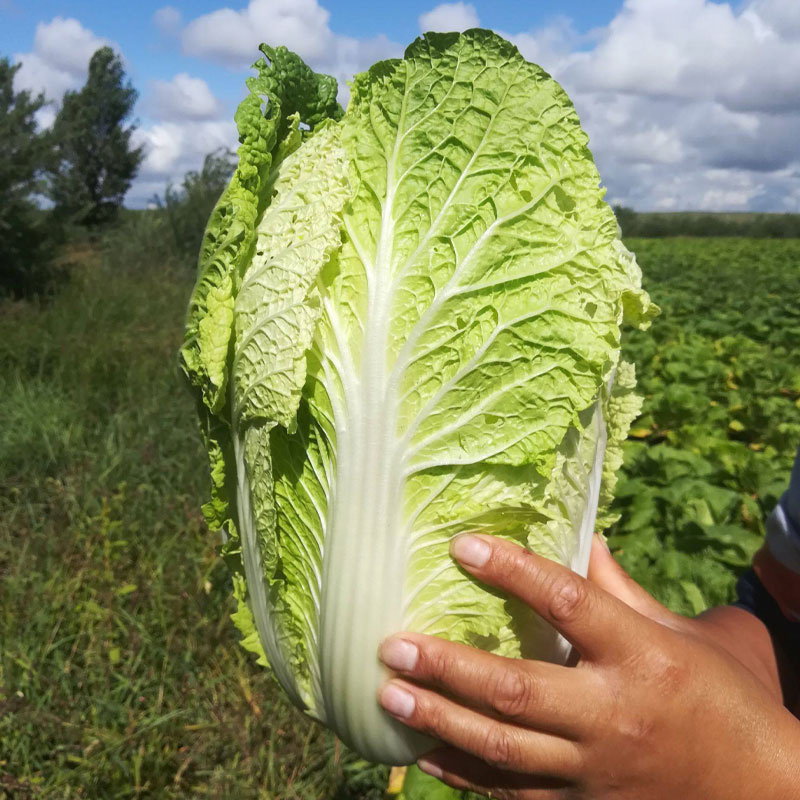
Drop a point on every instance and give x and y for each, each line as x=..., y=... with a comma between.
x=120, y=675
x=711, y=453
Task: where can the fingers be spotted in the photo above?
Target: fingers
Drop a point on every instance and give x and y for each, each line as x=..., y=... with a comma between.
x=599, y=625
x=506, y=747
x=536, y=694
x=463, y=771
x=605, y=572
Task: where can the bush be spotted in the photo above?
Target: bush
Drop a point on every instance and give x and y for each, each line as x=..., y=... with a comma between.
x=188, y=207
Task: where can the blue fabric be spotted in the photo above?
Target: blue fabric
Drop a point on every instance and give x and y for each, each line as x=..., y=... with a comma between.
x=783, y=524
x=753, y=597
x=783, y=543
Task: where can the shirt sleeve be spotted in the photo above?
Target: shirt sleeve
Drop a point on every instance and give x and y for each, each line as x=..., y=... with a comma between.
x=777, y=563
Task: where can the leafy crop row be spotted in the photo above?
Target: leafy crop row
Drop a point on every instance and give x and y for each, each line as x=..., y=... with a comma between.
x=720, y=371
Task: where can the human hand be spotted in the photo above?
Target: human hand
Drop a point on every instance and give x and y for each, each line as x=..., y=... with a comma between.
x=656, y=707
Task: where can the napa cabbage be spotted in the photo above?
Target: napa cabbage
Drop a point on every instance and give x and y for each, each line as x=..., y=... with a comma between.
x=406, y=325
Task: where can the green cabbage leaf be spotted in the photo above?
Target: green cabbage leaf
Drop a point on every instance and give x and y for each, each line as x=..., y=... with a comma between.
x=406, y=325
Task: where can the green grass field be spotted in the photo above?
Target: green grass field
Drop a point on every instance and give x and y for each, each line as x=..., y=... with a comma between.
x=120, y=675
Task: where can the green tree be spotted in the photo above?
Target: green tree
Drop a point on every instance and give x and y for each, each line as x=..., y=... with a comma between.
x=22, y=246
x=94, y=162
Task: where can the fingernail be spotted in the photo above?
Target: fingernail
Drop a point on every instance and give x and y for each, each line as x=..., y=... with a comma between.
x=399, y=654
x=470, y=550
x=429, y=767
x=397, y=701
x=603, y=542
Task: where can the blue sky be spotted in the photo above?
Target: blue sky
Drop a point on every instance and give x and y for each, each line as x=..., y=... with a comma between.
x=150, y=55
x=131, y=24
x=688, y=103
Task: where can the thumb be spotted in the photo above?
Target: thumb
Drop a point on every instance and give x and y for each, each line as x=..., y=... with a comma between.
x=606, y=573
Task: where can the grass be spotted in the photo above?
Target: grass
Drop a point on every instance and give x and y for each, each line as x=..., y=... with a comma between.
x=120, y=675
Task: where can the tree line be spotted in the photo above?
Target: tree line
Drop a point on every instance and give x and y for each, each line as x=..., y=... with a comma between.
x=69, y=181
x=75, y=173
x=751, y=225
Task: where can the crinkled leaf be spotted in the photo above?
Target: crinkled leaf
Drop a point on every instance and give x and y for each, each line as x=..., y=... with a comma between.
x=426, y=329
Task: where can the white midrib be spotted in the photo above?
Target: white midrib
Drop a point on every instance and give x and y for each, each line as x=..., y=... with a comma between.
x=364, y=564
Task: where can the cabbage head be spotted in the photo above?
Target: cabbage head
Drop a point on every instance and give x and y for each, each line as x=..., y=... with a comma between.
x=406, y=325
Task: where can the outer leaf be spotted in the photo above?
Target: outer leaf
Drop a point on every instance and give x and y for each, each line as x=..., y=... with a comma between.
x=277, y=309
x=289, y=92
x=244, y=621
x=419, y=786
x=622, y=407
x=284, y=93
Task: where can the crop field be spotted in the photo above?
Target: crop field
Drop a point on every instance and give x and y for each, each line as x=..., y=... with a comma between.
x=120, y=675
x=720, y=374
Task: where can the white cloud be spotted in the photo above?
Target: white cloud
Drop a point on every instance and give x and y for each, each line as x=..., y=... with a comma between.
x=232, y=37
x=449, y=17
x=60, y=57
x=791, y=201
x=694, y=50
x=168, y=20
x=182, y=98
x=173, y=148
x=190, y=122
x=551, y=46
x=783, y=16
x=688, y=103
x=737, y=197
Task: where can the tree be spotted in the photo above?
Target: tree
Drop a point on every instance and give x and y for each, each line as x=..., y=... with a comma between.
x=94, y=162
x=22, y=154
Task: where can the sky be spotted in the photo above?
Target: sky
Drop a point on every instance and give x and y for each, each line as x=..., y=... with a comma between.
x=689, y=104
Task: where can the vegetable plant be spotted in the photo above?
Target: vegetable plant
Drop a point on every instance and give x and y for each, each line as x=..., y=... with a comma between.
x=406, y=325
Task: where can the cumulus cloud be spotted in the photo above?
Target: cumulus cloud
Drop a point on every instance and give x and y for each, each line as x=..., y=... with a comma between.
x=688, y=103
x=183, y=98
x=449, y=17
x=696, y=50
x=59, y=59
x=189, y=122
x=231, y=37
x=553, y=45
x=782, y=16
x=172, y=148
